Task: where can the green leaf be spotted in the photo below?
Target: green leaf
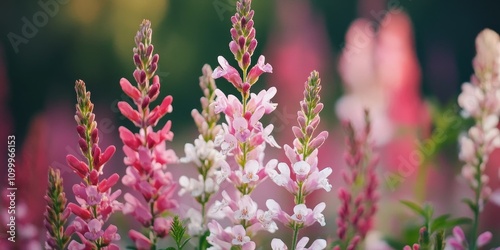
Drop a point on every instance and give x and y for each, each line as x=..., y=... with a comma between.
x=170, y=248
x=203, y=241
x=439, y=222
x=178, y=232
x=458, y=221
x=415, y=207
x=470, y=203
x=429, y=212
x=185, y=242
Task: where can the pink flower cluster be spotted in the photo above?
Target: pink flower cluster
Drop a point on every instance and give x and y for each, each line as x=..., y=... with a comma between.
x=242, y=136
x=146, y=153
x=305, y=176
x=459, y=242
x=480, y=100
x=95, y=200
x=359, y=199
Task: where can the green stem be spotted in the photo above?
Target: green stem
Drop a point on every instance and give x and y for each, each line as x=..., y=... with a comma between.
x=477, y=200
x=295, y=236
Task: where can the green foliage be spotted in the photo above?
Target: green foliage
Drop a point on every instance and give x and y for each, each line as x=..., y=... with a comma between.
x=432, y=233
x=178, y=232
x=203, y=241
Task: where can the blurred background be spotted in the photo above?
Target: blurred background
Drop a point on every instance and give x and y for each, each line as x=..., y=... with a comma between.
x=405, y=58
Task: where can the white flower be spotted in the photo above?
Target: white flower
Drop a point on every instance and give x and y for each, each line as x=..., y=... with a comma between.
x=300, y=213
x=246, y=208
x=250, y=171
x=195, y=226
x=195, y=187
x=301, y=168
x=277, y=244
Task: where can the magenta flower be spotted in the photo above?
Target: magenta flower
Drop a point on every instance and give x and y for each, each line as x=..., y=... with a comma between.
x=96, y=201
x=359, y=198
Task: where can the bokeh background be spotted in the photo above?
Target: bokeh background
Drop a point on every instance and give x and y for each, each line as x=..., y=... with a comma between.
x=421, y=55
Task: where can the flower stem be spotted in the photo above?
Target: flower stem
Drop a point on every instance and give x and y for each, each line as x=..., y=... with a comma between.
x=295, y=236
x=477, y=205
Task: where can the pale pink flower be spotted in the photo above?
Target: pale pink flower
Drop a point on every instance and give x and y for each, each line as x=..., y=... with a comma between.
x=247, y=208
x=137, y=209
x=141, y=242
x=458, y=241
x=258, y=69
x=319, y=244
x=228, y=72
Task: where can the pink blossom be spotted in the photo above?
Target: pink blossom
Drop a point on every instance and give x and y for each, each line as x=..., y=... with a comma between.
x=219, y=237
x=258, y=69
x=110, y=234
x=140, y=241
x=162, y=226
x=95, y=231
x=228, y=72
x=137, y=209
x=247, y=208
x=250, y=171
x=459, y=241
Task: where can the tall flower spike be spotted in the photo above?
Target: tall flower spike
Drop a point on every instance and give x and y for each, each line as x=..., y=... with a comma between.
x=146, y=154
x=359, y=198
x=243, y=136
x=204, y=155
x=95, y=200
x=56, y=213
x=480, y=99
x=306, y=176
x=243, y=34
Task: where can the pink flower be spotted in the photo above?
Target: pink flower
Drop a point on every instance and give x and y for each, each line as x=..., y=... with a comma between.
x=137, y=209
x=162, y=226
x=95, y=231
x=258, y=69
x=242, y=132
x=110, y=234
x=247, y=208
x=130, y=113
x=130, y=90
x=228, y=72
x=140, y=241
x=458, y=241
x=219, y=237
x=79, y=167
x=250, y=172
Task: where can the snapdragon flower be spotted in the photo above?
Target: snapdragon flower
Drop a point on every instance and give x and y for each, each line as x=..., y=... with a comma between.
x=96, y=201
x=480, y=100
x=302, y=176
x=359, y=198
x=146, y=154
x=242, y=136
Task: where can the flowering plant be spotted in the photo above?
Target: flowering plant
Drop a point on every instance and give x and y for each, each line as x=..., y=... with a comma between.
x=233, y=163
